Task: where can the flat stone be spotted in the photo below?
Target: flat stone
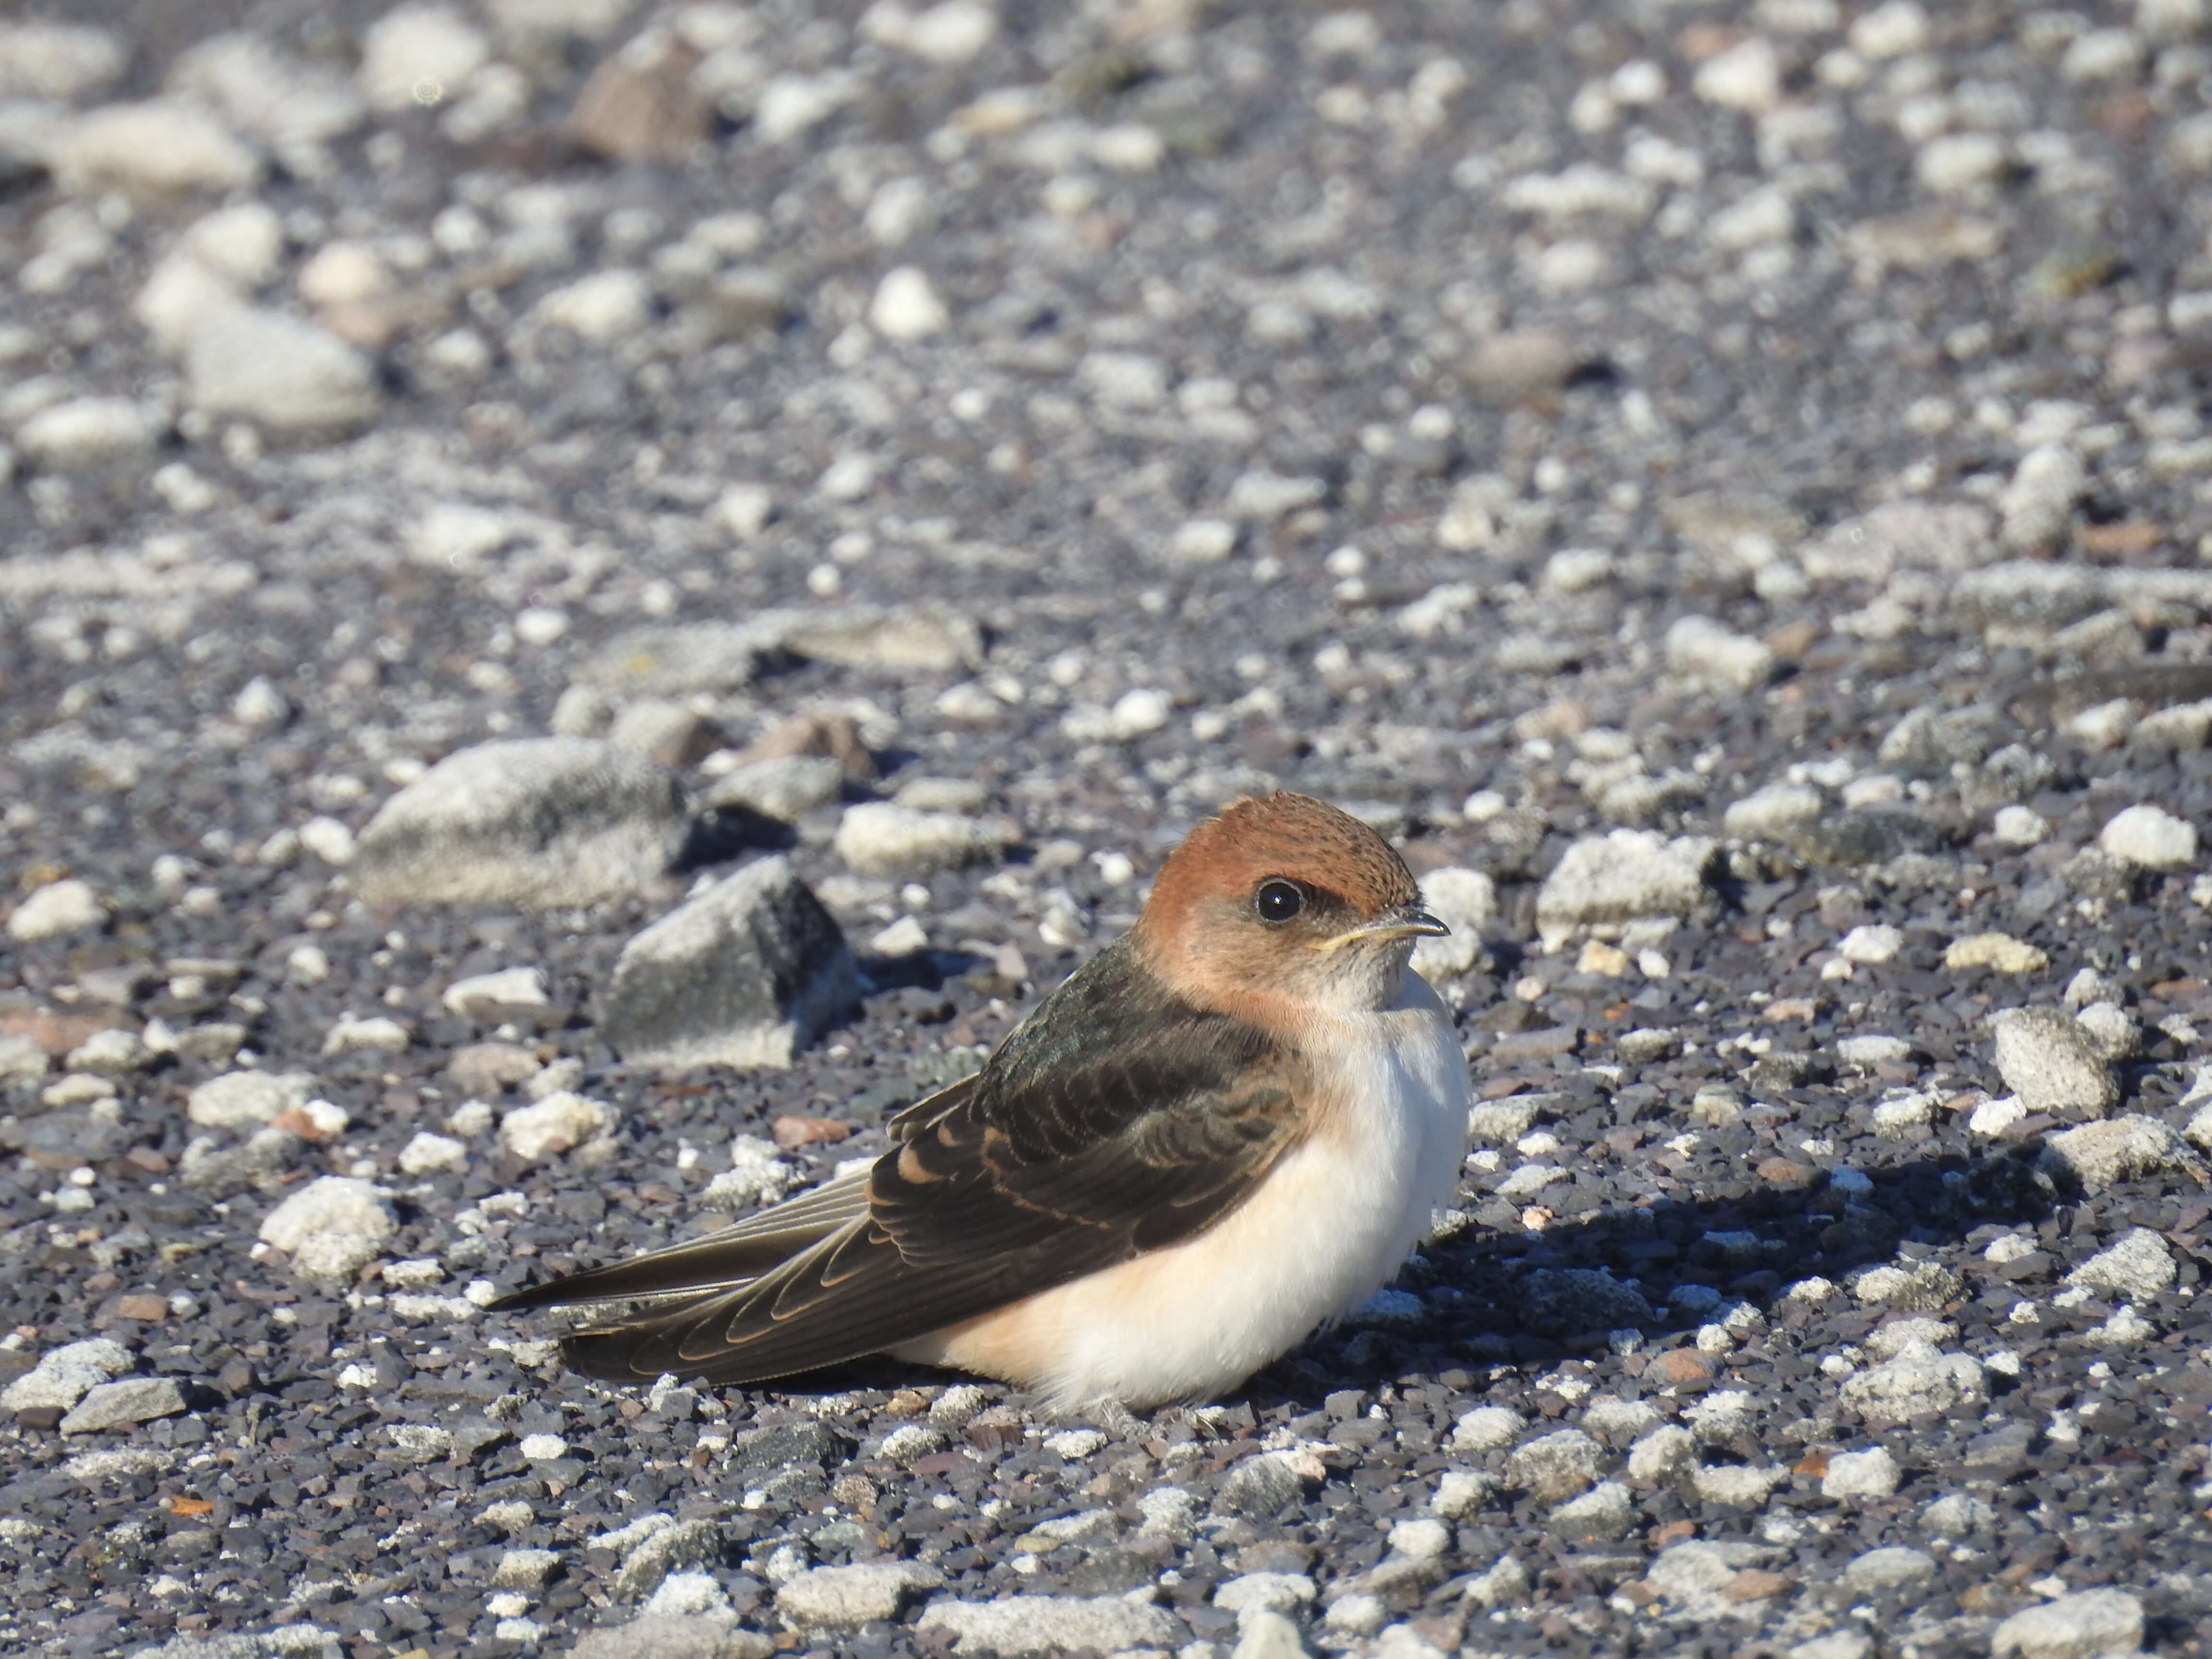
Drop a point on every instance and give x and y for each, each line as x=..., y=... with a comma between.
x=540, y=823
x=120, y=1404
x=742, y=974
x=2054, y=1064
x=876, y=838
x=844, y=1597
x=1051, y=1624
x=2086, y=1624
x=2138, y=1267
x=2098, y=1155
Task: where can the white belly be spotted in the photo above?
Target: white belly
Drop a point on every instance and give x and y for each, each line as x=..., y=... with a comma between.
x=1329, y=1227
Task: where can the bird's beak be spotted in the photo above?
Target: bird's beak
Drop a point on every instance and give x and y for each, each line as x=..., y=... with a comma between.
x=1402, y=923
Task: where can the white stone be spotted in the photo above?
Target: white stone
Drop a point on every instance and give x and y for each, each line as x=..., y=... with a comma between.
x=420, y=54
x=1955, y=163
x=1486, y=1428
x=2151, y=837
x=1773, y=811
x=498, y=995
x=1871, y=1474
x=85, y=433
x=242, y=243
x=1705, y=650
x=2086, y=1624
x=1996, y=1116
x=56, y=911
x=59, y=61
x=876, y=838
x=1465, y=901
x=160, y=147
x=906, y=306
x=607, y=305
x=280, y=372
x=432, y=1154
x=1889, y=31
x=236, y=1099
x=559, y=1123
x=1871, y=943
x=2020, y=826
x=1747, y=77
x=332, y=1203
x=377, y=1034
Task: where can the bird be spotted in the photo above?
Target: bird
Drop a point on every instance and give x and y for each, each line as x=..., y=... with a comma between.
x=1229, y=1128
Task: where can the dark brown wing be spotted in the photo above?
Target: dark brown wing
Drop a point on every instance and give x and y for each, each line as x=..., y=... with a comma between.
x=1115, y=1122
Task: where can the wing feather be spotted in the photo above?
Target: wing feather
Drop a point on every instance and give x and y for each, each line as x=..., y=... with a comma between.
x=1114, y=1121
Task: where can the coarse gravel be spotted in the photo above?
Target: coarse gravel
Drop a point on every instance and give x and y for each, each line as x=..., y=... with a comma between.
x=1722, y=487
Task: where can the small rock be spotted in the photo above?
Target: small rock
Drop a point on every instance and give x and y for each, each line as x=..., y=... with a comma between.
x=2136, y=1269
x=121, y=1404
x=56, y=911
x=160, y=147
x=2098, y=1155
x=1555, y=1301
x=85, y=433
x=61, y=61
x=334, y=1203
x=540, y=823
x=906, y=306
x=784, y=789
x=1262, y=1484
x=742, y=974
x=2150, y=838
x=237, y=1099
x=1621, y=877
x=1555, y=1467
x=1051, y=1624
x=432, y=1154
x=419, y=54
x=2000, y=952
x=1872, y=1473
x=290, y=376
x=2020, y=826
x=1770, y=813
x=1486, y=1428
x=842, y=1598
x=498, y=996
x=1888, y=1569
x=1747, y=77
x=1265, y=1634
x=1920, y=1383
x=2053, y=1064
x=1957, y=1516
x=559, y=1123
x=1704, y=650
x=1466, y=901
x=65, y=1375
x=603, y=307
x=1273, y=1592
x=1607, y=1511
x=876, y=838
x=1871, y=944
x=2085, y=1625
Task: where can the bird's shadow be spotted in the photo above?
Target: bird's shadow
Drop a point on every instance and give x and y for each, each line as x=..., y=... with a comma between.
x=1494, y=1294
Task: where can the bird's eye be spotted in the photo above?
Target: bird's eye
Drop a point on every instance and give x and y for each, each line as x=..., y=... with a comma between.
x=1278, y=900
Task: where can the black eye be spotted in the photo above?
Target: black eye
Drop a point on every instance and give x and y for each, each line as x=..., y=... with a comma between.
x=1278, y=900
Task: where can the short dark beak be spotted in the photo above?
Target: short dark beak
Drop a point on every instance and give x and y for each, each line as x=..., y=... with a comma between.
x=1400, y=923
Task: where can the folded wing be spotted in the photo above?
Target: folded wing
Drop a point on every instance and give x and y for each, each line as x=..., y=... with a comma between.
x=1115, y=1122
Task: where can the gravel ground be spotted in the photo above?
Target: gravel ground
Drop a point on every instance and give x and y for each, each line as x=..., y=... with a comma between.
x=1722, y=484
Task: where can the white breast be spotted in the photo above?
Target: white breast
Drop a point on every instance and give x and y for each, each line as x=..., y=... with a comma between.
x=1330, y=1226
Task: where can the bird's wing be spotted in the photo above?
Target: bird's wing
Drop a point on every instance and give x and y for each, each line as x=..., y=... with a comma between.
x=1079, y=1147
x=716, y=1261
x=729, y=1255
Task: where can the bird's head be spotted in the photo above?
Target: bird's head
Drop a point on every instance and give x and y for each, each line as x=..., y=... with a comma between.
x=1284, y=908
